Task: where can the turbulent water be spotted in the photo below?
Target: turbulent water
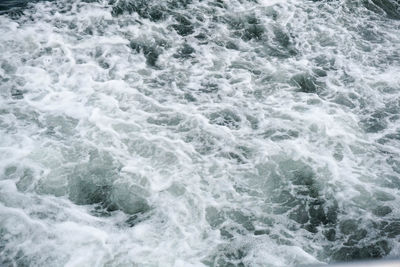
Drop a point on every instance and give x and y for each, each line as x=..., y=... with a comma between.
x=199, y=132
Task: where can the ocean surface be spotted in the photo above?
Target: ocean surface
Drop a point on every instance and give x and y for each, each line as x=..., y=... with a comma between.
x=199, y=132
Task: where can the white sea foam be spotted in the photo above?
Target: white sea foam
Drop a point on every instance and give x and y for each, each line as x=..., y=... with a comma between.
x=216, y=133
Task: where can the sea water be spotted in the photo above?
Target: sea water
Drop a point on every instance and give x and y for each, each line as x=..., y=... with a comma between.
x=199, y=132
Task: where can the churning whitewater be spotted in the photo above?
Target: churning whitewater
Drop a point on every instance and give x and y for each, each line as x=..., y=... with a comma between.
x=199, y=132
